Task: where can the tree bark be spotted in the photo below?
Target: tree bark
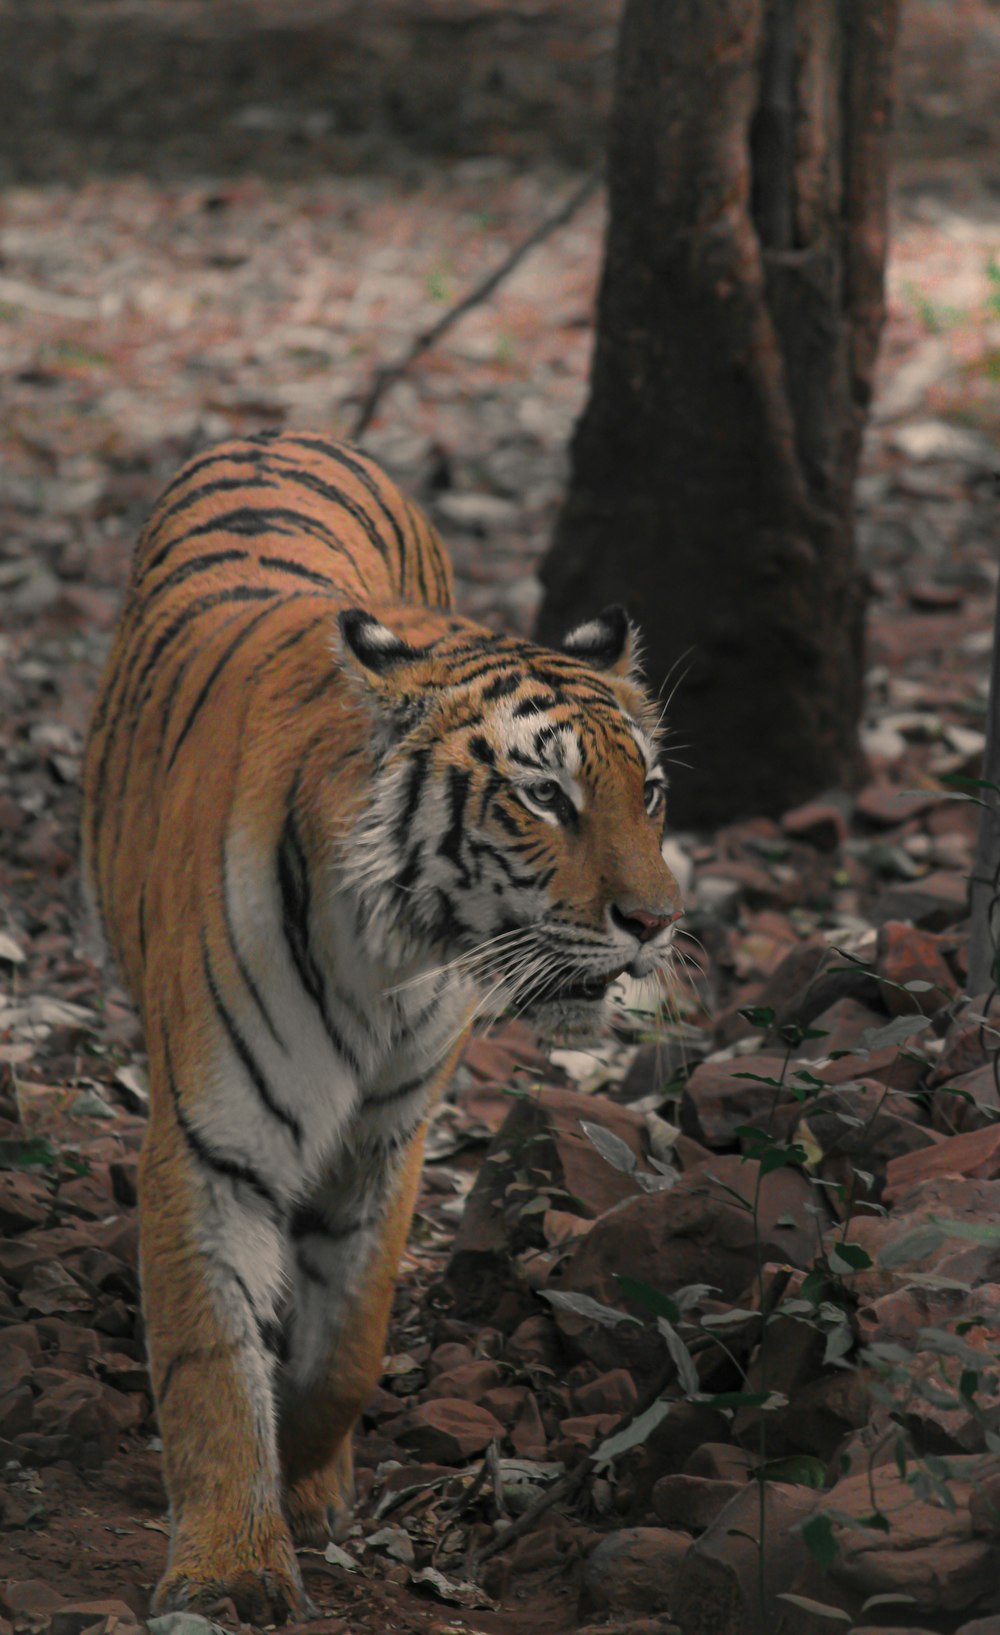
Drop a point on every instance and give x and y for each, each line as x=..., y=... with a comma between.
x=738, y=319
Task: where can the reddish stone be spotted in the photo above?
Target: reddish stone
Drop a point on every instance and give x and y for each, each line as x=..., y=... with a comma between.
x=534, y=1342
x=933, y=902
x=634, y=1570
x=527, y=1433
x=25, y=1201
x=470, y=1381
x=73, y=1617
x=975, y=1154
x=886, y=806
x=447, y=1431
x=720, y=1462
x=692, y=1502
x=452, y=1354
x=718, y=1097
x=907, y=954
x=581, y=1431
x=817, y=823
x=610, y=1393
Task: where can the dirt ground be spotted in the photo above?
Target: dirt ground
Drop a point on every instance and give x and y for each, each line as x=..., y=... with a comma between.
x=213, y=223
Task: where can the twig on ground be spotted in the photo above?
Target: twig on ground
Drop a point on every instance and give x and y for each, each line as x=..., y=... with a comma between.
x=389, y=373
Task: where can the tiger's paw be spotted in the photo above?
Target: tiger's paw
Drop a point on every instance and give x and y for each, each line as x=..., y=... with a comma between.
x=320, y=1507
x=262, y=1593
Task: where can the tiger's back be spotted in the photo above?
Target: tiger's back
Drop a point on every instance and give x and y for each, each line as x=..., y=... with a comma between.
x=228, y=614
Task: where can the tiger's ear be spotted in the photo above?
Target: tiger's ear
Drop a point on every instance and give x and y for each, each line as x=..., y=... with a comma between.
x=608, y=642
x=381, y=666
x=372, y=645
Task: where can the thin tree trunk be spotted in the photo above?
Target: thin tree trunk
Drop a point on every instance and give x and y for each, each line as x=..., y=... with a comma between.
x=738, y=320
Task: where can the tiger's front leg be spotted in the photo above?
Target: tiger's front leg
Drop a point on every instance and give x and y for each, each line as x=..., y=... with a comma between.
x=212, y=1273
x=347, y=1243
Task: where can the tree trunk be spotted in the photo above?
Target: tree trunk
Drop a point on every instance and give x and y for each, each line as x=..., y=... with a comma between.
x=738, y=320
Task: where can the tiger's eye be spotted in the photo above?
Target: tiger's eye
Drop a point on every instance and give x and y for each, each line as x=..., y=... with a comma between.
x=545, y=793
x=653, y=795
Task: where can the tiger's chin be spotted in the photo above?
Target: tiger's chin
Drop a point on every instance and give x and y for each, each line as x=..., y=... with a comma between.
x=562, y=1021
x=576, y=1014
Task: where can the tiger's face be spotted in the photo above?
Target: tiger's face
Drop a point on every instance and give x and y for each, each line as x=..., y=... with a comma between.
x=517, y=817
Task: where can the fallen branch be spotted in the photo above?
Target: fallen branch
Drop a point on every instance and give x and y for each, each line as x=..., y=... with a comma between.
x=389, y=373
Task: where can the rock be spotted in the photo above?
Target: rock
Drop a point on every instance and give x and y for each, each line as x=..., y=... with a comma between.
x=933, y=902
x=611, y=1393
x=720, y=1462
x=633, y=1570
x=90, y=1417
x=823, y=1412
x=930, y=1553
x=975, y=1154
x=470, y=1381
x=906, y=954
x=852, y=1128
x=818, y=823
x=969, y=1042
x=452, y=1354
x=718, y=1588
x=447, y=1431
x=692, y=1502
x=580, y=1432
x=542, y=1137
x=984, y=1505
x=527, y=1433
x=720, y=1096
x=967, y=1102
x=981, y=1626
x=31, y=1595
x=73, y=1617
x=631, y=1626
x=25, y=1201
x=885, y=805
x=670, y=1239
x=534, y=1343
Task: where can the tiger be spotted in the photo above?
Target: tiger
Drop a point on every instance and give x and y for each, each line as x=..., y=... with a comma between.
x=328, y=824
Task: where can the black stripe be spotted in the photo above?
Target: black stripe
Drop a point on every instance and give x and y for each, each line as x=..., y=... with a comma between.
x=309, y=1222
x=450, y=844
x=295, y=891
x=416, y=777
x=336, y=496
x=139, y=605
x=343, y=457
x=408, y=1088
x=252, y=1067
x=234, y=1169
x=218, y=485
x=285, y=564
x=250, y=521
x=215, y=672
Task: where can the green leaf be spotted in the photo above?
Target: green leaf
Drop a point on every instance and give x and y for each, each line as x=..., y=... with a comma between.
x=611, y=1147
x=968, y=1384
x=760, y=1078
x=814, y=1285
x=683, y=1361
x=737, y=1399
x=632, y=1436
x=759, y=1016
x=33, y=1152
x=820, y=1609
x=793, y=1034
x=848, y=1257
x=645, y=1295
x=893, y=1033
x=731, y=1192
x=820, y=1540
x=581, y=1305
x=782, y=1158
x=800, y=1468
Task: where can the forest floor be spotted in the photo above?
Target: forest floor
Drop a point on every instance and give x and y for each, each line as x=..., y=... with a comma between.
x=255, y=275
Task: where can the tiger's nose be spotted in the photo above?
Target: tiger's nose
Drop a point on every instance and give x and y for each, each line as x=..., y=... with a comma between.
x=644, y=923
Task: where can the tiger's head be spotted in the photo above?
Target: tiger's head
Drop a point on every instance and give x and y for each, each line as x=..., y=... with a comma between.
x=516, y=817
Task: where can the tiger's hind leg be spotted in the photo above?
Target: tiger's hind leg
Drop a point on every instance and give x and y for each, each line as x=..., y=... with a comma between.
x=344, y=1276
x=212, y=1252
